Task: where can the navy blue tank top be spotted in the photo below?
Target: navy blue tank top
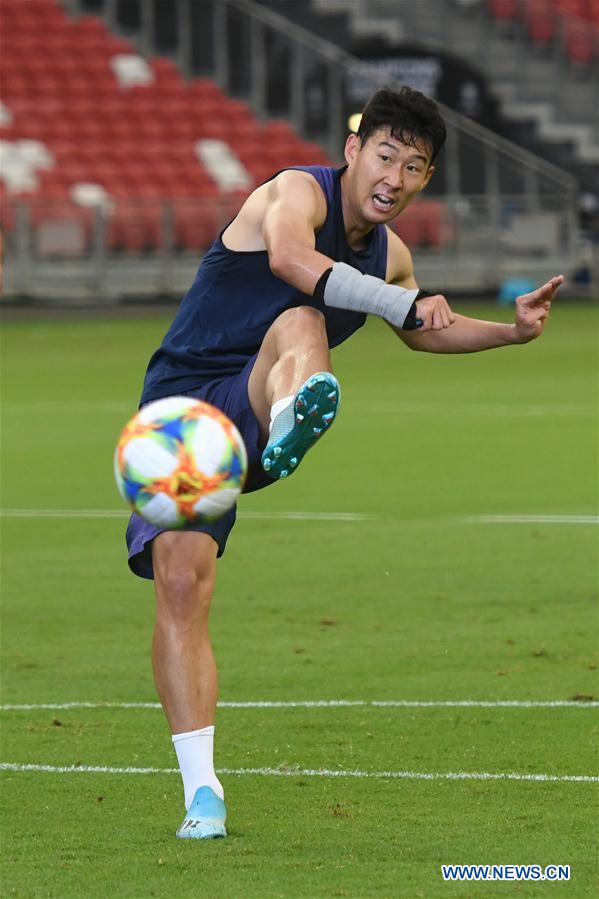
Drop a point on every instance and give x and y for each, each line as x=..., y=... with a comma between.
x=235, y=298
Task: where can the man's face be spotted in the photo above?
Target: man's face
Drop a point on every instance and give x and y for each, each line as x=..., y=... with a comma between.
x=384, y=175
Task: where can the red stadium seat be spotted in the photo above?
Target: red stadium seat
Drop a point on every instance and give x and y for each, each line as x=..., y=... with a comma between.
x=10, y=133
x=118, y=45
x=436, y=230
x=424, y=224
x=76, y=172
x=243, y=131
x=52, y=188
x=505, y=10
x=409, y=230
x=232, y=202
x=92, y=130
x=214, y=129
x=196, y=223
x=44, y=11
x=569, y=7
x=253, y=156
x=136, y=142
x=135, y=225
x=204, y=88
x=122, y=130
x=279, y=129
x=540, y=21
x=198, y=184
x=183, y=131
x=582, y=44
x=89, y=27
x=165, y=69
x=237, y=111
x=17, y=85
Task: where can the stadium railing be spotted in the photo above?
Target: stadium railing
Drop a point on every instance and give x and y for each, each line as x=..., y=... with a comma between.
x=496, y=210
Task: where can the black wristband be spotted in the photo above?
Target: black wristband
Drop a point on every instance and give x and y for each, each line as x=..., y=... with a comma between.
x=321, y=284
x=412, y=322
x=410, y=319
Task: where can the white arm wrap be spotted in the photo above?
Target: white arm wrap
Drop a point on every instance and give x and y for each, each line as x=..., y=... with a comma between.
x=347, y=288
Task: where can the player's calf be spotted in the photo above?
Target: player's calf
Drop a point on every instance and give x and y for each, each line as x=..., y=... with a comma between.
x=298, y=422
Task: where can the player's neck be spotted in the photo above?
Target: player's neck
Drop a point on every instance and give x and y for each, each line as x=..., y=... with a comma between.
x=357, y=230
x=358, y=235
x=358, y=238
x=357, y=227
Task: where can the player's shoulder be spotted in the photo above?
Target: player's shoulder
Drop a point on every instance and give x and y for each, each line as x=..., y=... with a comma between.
x=294, y=180
x=400, y=266
x=301, y=189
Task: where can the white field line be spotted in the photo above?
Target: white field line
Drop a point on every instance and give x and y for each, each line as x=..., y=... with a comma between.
x=310, y=772
x=531, y=519
x=315, y=516
x=325, y=704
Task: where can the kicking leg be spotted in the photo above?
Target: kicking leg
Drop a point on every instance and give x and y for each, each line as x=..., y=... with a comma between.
x=292, y=390
x=185, y=670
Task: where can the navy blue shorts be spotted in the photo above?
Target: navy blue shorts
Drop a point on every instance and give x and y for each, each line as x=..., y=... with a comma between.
x=230, y=395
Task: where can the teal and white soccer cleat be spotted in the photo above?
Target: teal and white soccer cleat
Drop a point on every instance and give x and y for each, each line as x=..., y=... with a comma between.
x=205, y=818
x=298, y=427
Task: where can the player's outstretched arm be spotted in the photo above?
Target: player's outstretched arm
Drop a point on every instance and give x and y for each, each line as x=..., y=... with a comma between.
x=470, y=335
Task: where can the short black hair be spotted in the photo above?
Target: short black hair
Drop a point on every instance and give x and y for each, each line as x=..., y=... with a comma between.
x=410, y=115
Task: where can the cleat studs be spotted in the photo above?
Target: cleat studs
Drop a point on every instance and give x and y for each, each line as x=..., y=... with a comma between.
x=267, y=464
x=311, y=386
x=317, y=431
x=301, y=401
x=284, y=473
x=276, y=452
x=332, y=396
x=293, y=461
x=299, y=417
x=313, y=410
x=320, y=379
x=328, y=417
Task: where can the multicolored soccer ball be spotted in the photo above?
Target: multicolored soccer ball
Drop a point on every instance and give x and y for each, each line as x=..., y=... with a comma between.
x=179, y=461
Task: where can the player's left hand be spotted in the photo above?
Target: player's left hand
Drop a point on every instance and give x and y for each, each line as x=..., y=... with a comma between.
x=532, y=310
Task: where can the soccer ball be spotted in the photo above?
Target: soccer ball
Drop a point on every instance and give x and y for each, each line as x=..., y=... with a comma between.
x=179, y=461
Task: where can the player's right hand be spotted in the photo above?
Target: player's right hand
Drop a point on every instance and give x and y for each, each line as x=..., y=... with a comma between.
x=434, y=313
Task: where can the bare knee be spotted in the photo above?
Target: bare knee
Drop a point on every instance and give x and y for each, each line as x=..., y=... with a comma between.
x=298, y=332
x=184, y=584
x=301, y=321
x=183, y=596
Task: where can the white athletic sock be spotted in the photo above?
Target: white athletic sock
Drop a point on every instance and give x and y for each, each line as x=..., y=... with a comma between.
x=195, y=754
x=281, y=417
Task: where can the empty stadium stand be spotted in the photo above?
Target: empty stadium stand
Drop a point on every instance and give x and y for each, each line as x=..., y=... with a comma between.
x=87, y=123
x=106, y=146
x=573, y=22
x=540, y=60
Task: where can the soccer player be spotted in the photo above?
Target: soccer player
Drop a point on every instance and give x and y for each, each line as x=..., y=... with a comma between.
x=296, y=272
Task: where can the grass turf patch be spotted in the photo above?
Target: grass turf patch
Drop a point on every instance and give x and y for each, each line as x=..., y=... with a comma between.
x=104, y=836
x=412, y=602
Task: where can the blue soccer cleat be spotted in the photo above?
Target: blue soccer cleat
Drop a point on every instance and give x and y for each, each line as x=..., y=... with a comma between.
x=205, y=818
x=298, y=427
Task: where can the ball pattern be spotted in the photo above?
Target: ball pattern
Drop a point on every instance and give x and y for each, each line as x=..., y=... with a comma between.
x=180, y=461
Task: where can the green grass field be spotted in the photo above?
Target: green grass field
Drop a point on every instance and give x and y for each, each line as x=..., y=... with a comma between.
x=415, y=595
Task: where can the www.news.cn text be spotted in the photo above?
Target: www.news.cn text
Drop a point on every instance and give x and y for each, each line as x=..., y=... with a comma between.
x=505, y=872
